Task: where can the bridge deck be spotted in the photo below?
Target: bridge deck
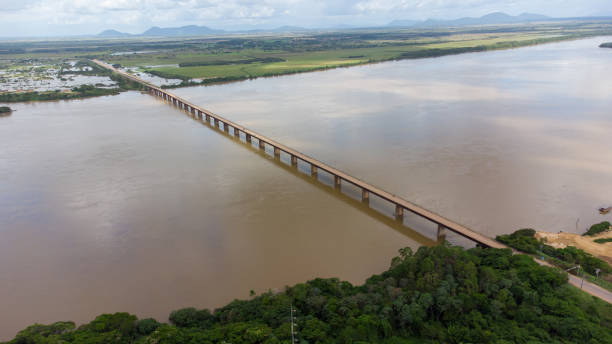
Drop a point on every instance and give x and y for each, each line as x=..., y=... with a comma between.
x=398, y=201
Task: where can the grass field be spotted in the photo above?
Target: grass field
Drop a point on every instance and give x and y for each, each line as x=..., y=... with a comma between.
x=317, y=52
x=205, y=60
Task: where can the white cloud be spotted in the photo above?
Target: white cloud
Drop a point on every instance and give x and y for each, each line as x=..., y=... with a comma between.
x=32, y=17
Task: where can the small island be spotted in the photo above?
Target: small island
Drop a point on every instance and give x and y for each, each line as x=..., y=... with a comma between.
x=5, y=111
x=606, y=45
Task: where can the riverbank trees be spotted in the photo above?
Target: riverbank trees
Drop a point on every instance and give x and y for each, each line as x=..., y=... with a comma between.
x=438, y=294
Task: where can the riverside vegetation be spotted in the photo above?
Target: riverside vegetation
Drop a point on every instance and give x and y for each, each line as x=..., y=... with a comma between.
x=209, y=60
x=438, y=294
x=566, y=258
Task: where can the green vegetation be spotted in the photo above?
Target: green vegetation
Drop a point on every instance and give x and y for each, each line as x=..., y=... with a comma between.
x=598, y=228
x=603, y=240
x=227, y=59
x=439, y=294
x=524, y=240
x=84, y=91
x=606, y=45
x=209, y=60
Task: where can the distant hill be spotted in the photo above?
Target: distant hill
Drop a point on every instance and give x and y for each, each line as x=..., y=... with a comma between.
x=489, y=19
x=189, y=30
x=406, y=22
x=113, y=33
x=287, y=28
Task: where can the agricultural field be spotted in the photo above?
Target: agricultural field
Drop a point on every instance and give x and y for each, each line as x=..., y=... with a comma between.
x=59, y=66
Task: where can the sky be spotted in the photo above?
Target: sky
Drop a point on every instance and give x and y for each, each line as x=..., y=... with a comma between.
x=20, y=18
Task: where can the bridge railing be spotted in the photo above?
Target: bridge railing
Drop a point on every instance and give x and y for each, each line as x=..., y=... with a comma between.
x=315, y=165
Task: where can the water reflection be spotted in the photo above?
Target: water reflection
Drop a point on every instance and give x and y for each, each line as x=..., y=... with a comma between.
x=123, y=204
x=376, y=208
x=496, y=141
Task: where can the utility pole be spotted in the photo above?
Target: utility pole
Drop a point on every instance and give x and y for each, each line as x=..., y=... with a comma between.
x=292, y=325
x=579, y=271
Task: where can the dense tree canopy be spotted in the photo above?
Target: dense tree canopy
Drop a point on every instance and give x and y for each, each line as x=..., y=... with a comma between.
x=438, y=294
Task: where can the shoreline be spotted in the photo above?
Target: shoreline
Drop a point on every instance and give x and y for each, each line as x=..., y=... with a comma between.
x=413, y=55
x=585, y=243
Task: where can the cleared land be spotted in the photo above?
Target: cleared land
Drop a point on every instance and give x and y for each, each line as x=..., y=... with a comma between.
x=587, y=243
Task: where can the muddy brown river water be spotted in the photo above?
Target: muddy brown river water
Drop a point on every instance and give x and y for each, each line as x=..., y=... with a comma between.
x=126, y=204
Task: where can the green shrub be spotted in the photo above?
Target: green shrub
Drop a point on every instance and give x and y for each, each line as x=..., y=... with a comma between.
x=146, y=326
x=191, y=317
x=522, y=240
x=598, y=228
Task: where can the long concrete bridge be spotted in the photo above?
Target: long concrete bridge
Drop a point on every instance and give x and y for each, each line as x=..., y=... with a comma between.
x=339, y=177
x=401, y=205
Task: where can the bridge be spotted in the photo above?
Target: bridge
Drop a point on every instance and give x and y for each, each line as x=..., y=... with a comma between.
x=339, y=177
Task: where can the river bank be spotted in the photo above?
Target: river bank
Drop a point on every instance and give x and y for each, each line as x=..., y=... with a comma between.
x=586, y=243
x=406, y=304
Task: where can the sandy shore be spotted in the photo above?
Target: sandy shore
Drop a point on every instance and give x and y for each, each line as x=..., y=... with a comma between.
x=587, y=243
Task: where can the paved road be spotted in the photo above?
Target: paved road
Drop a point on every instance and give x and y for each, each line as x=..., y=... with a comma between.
x=587, y=286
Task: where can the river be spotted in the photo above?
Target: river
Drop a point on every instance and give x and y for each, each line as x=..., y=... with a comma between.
x=124, y=203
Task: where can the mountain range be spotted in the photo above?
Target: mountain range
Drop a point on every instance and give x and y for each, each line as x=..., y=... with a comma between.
x=496, y=18
x=189, y=30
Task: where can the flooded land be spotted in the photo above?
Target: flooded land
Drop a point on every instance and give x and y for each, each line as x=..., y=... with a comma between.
x=108, y=203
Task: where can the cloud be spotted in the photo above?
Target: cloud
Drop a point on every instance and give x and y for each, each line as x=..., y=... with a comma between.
x=35, y=17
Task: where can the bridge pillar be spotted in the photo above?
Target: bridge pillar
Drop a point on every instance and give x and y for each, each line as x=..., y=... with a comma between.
x=399, y=211
x=293, y=160
x=313, y=170
x=236, y=132
x=262, y=144
x=248, y=138
x=216, y=123
x=441, y=233
x=365, y=195
x=276, y=151
x=337, y=181
x=208, y=118
x=225, y=127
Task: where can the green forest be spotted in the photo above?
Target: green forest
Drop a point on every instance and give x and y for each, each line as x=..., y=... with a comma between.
x=439, y=294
